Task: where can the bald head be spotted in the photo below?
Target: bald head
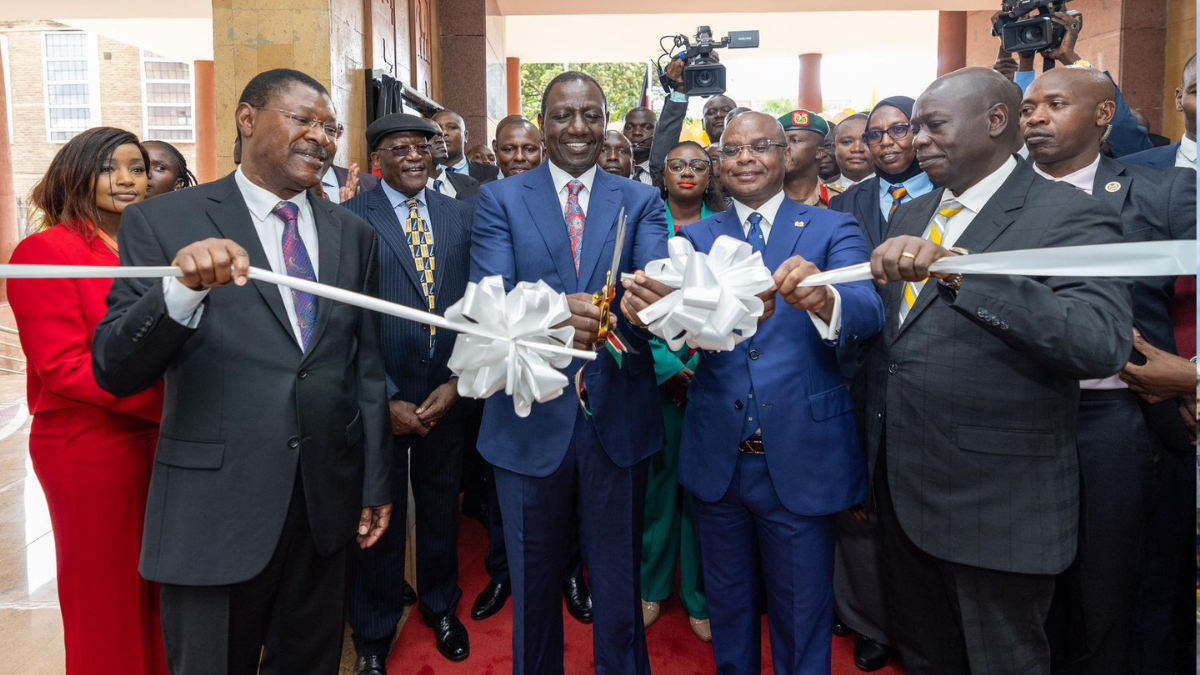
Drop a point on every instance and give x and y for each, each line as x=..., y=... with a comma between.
x=965, y=126
x=750, y=176
x=1185, y=98
x=1065, y=116
x=455, y=128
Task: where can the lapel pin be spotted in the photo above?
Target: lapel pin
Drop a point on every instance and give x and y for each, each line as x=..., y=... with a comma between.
x=1113, y=187
x=799, y=223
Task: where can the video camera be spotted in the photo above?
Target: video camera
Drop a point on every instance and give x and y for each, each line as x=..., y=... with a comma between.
x=1035, y=34
x=703, y=75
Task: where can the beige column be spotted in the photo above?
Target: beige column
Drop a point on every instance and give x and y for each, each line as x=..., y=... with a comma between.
x=810, y=82
x=206, y=122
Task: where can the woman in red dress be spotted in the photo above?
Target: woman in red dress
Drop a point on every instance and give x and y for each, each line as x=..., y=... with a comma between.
x=92, y=452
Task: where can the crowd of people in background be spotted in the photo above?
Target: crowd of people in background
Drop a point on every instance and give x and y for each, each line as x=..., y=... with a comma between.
x=980, y=474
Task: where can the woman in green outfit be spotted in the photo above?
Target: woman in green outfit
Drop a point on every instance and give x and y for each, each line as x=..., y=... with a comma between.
x=691, y=194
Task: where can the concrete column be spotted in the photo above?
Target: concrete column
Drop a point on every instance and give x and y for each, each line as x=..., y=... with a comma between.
x=514, y=85
x=206, y=122
x=810, y=82
x=10, y=233
x=952, y=42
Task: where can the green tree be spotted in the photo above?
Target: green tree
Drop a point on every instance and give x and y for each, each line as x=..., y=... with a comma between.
x=622, y=83
x=779, y=106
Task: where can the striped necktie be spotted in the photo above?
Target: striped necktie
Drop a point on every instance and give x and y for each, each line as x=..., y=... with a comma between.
x=297, y=264
x=420, y=240
x=899, y=192
x=935, y=233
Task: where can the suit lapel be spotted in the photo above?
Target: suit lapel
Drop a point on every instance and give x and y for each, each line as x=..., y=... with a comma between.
x=391, y=232
x=600, y=219
x=790, y=223
x=546, y=214
x=868, y=204
x=232, y=218
x=1111, y=174
x=329, y=235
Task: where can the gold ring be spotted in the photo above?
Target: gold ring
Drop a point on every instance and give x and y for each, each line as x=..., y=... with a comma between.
x=906, y=254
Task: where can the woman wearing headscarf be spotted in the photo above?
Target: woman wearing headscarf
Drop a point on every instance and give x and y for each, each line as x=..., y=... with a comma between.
x=858, y=591
x=92, y=452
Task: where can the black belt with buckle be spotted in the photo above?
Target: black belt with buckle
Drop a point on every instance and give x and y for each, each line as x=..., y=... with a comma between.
x=753, y=446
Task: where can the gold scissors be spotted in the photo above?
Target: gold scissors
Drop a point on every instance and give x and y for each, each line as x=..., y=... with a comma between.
x=604, y=297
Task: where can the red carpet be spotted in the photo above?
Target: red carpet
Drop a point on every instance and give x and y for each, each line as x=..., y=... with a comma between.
x=674, y=650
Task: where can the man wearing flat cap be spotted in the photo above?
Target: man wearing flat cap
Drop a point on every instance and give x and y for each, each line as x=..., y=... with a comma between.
x=806, y=132
x=424, y=261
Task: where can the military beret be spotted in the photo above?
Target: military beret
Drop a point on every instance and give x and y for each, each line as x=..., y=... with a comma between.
x=394, y=123
x=804, y=119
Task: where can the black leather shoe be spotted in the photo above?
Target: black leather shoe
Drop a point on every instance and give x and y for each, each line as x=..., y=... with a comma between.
x=370, y=665
x=452, y=640
x=579, y=599
x=410, y=595
x=869, y=655
x=491, y=600
x=840, y=629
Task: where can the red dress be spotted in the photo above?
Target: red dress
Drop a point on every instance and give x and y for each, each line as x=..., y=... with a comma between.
x=92, y=453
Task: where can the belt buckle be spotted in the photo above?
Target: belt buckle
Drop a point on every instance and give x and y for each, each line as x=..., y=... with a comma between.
x=753, y=446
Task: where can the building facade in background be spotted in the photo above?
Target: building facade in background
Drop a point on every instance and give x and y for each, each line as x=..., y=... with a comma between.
x=61, y=80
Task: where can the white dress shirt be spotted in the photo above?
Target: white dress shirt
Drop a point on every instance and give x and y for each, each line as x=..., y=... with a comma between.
x=641, y=173
x=447, y=187
x=183, y=304
x=1185, y=156
x=828, y=331
x=1084, y=180
x=973, y=200
x=562, y=178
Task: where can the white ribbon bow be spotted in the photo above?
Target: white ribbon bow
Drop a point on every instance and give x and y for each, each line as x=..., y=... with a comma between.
x=485, y=365
x=715, y=305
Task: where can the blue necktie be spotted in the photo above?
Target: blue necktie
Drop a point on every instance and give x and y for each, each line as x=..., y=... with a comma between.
x=751, y=424
x=437, y=186
x=299, y=265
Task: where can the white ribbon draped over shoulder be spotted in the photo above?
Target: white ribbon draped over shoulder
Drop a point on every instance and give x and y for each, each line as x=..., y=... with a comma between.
x=714, y=305
x=504, y=359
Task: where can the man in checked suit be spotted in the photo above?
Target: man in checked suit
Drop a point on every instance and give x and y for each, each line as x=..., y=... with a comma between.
x=274, y=432
x=974, y=390
x=423, y=263
x=557, y=223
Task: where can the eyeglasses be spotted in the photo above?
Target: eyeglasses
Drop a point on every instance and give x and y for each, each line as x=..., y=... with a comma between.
x=896, y=131
x=330, y=128
x=402, y=151
x=696, y=165
x=759, y=148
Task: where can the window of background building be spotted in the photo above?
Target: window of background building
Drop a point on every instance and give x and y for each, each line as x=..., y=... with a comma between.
x=71, y=84
x=169, y=94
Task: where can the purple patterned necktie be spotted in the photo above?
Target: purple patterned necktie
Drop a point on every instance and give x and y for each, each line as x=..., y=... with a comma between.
x=574, y=217
x=298, y=264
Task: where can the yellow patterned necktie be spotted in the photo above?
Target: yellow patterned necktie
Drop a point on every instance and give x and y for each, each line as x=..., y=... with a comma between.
x=935, y=233
x=421, y=242
x=899, y=192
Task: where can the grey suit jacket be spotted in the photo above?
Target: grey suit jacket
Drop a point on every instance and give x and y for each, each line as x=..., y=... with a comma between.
x=247, y=412
x=975, y=395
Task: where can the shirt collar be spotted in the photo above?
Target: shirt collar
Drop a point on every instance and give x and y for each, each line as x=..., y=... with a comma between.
x=397, y=198
x=260, y=201
x=768, y=210
x=330, y=178
x=976, y=196
x=1083, y=179
x=463, y=166
x=1187, y=148
x=561, y=178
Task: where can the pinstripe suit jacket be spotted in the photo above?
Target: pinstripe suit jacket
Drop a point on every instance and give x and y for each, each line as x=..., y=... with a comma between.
x=405, y=343
x=978, y=391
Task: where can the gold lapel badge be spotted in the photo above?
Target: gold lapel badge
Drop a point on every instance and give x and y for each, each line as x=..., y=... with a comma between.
x=799, y=223
x=1114, y=186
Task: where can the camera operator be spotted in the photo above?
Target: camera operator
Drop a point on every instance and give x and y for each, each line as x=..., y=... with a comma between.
x=1126, y=137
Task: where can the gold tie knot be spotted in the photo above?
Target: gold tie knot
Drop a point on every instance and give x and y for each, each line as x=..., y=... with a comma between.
x=950, y=212
x=899, y=192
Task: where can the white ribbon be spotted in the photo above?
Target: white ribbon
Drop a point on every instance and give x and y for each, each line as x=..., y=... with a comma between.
x=1128, y=259
x=714, y=305
x=522, y=338
x=519, y=320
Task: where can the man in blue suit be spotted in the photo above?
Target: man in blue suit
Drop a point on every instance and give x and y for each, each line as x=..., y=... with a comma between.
x=424, y=259
x=1183, y=153
x=770, y=447
x=557, y=223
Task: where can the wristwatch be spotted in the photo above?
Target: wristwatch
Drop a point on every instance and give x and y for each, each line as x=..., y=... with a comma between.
x=954, y=281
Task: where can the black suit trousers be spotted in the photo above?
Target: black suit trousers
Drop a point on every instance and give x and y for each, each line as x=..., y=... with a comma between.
x=289, y=615
x=952, y=619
